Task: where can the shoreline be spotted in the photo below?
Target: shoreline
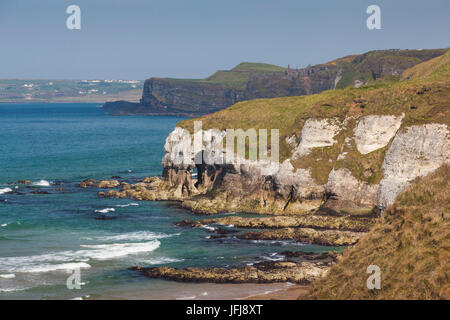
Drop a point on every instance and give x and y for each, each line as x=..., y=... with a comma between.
x=210, y=291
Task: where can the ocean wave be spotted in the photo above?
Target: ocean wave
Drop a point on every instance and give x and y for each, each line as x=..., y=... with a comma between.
x=160, y=260
x=54, y=267
x=7, y=276
x=106, y=210
x=41, y=183
x=4, y=225
x=203, y=294
x=207, y=227
x=135, y=236
x=70, y=259
x=12, y=289
x=272, y=257
x=5, y=190
x=127, y=205
x=116, y=250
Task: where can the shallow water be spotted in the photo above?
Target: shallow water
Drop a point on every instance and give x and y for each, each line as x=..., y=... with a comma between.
x=45, y=236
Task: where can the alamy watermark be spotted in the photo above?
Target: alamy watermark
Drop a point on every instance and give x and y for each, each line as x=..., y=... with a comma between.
x=374, y=280
x=229, y=146
x=374, y=20
x=74, y=280
x=73, y=22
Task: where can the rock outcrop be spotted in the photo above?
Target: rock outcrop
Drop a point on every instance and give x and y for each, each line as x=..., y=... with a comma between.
x=350, y=192
x=263, y=272
x=375, y=132
x=414, y=152
x=317, y=133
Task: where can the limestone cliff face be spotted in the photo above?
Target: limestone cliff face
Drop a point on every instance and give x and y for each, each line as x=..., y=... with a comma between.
x=269, y=187
x=374, y=132
x=414, y=152
x=317, y=134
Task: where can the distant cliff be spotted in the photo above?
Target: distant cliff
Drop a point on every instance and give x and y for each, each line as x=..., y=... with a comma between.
x=187, y=97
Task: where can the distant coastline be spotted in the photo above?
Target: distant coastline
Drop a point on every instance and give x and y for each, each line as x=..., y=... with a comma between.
x=69, y=91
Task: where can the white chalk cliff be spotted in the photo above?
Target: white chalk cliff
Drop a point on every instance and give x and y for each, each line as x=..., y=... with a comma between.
x=413, y=151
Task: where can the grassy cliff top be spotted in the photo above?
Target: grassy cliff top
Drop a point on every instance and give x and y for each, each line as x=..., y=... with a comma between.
x=235, y=78
x=411, y=245
x=258, y=67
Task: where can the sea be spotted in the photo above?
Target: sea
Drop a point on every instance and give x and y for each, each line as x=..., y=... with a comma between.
x=59, y=241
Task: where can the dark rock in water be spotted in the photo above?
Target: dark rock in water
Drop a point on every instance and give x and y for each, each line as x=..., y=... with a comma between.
x=58, y=183
x=39, y=192
x=116, y=177
x=24, y=182
x=189, y=224
x=224, y=231
x=219, y=236
x=105, y=218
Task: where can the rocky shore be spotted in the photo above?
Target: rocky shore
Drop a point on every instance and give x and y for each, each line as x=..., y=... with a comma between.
x=299, y=268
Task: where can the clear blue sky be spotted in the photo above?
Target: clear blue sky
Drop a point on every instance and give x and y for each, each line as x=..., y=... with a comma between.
x=137, y=39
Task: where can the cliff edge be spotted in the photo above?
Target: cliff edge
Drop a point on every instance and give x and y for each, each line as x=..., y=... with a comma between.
x=246, y=81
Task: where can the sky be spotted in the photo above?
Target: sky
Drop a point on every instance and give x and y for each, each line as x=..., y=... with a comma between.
x=138, y=39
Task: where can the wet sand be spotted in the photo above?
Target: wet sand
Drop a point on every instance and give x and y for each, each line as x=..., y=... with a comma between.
x=290, y=293
x=209, y=291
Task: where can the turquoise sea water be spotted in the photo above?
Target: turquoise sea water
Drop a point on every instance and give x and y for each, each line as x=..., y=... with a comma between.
x=44, y=236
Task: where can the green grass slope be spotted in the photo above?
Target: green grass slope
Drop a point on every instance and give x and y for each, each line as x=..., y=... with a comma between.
x=411, y=245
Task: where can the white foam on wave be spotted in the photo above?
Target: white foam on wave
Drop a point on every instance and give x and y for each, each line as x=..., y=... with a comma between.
x=106, y=210
x=207, y=227
x=7, y=276
x=186, y=298
x=69, y=260
x=127, y=205
x=116, y=250
x=203, y=294
x=55, y=267
x=135, y=236
x=273, y=258
x=160, y=260
x=12, y=289
x=41, y=183
x=4, y=225
x=5, y=190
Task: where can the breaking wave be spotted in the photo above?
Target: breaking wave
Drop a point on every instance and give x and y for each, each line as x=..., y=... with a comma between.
x=41, y=183
x=68, y=260
x=106, y=210
x=5, y=190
